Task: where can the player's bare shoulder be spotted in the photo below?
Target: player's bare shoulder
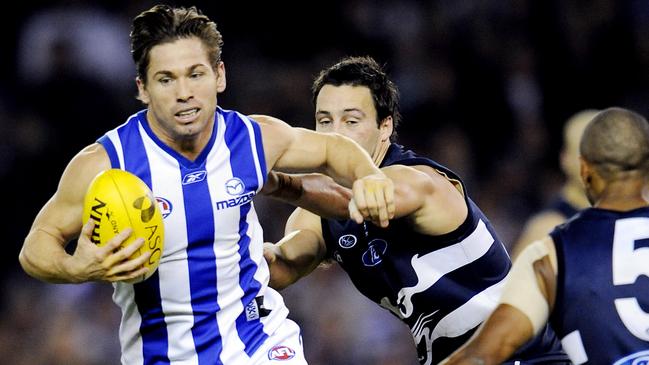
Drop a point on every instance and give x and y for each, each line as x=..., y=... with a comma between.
x=83, y=167
x=270, y=125
x=277, y=136
x=423, y=179
x=433, y=201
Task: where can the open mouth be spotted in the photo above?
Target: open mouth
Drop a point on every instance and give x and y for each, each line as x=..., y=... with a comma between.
x=188, y=115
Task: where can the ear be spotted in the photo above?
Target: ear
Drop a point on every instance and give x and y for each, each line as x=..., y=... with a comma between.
x=385, y=128
x=585, y=171
x=142, y=95
x=220, y=77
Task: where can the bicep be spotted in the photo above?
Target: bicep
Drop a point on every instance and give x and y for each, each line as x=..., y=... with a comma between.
x=290, y=149
x=432, y=202
x=531, y=283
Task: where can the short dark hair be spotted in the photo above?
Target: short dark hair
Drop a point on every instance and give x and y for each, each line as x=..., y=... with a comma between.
x=162, y=24
x=616, y=141
x=364, y=71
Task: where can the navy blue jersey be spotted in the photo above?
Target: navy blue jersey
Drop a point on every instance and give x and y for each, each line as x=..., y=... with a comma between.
x=602, y=306
x=442, y=287
x=563, y=207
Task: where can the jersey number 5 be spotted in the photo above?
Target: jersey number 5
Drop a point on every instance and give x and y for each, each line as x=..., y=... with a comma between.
x=628, y=264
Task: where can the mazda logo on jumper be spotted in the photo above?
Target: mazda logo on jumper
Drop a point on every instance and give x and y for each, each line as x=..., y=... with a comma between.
x=194, y=177
x=235, y=186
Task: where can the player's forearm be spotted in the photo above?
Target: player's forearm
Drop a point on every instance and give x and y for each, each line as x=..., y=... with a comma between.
x=44, y=258
x=498, y=338
x=283, y=271
x=293, y=257
x=282, y=274
x=314, y=192
x=347, y=161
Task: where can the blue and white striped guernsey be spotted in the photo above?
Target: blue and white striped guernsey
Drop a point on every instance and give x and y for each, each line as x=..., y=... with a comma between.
x=203, y=305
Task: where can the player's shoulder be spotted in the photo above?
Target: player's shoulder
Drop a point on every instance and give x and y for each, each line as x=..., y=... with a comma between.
x=425, y=177
x=80, y=171
x=90, y=161
x=267, y=120
x=546, y=220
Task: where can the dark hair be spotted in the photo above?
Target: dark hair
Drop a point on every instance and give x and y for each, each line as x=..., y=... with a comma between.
x=162, y=24
x=364, y=71
x=616, y=141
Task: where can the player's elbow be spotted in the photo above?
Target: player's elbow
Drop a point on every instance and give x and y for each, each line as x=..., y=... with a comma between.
x=27, y=263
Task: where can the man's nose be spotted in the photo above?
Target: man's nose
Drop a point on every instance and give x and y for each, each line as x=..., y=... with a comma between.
x=183, y=90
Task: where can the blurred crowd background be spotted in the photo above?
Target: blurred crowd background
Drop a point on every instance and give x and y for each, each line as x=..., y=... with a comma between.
x=486, y=86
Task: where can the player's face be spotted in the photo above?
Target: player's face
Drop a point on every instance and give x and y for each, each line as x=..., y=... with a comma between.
x=180, y=90
x=349, y=110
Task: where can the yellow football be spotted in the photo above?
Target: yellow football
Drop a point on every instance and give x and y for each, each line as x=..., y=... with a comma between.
x=117, y=199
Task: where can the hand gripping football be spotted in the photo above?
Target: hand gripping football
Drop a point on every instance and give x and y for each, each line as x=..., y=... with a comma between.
x=117, y=199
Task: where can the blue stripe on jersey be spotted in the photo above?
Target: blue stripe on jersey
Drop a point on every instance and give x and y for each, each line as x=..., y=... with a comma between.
x=110, y=150
x=202, y=269
x=147, y=293
x=237, y=138
x=260, y=150
x=135, y=159
x=155, y=341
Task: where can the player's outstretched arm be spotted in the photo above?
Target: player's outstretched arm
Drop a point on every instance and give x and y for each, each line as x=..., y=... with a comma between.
x=317, y=193
x=525, y=307
x=43, y=255
x=301, y=150
x=506, y=329
x=433, y=204
x=298, y=253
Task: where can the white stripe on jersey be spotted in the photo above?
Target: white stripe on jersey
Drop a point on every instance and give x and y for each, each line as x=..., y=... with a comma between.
x=574, y=347
x=431, y=267
x=130, y=325
x=470, y=314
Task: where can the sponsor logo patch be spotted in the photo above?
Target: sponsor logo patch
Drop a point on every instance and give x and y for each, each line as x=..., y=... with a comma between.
x=164, y=205
x=375, y=252
x=347, y=241
x=240, y=200
x=281, y=353
x=235, y=186
x=194, y=177
x=252, y=311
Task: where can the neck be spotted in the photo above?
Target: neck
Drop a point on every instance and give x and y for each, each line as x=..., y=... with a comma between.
x=624, y=195
x=380, y=151
x=189, y=146
x=575, y=195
